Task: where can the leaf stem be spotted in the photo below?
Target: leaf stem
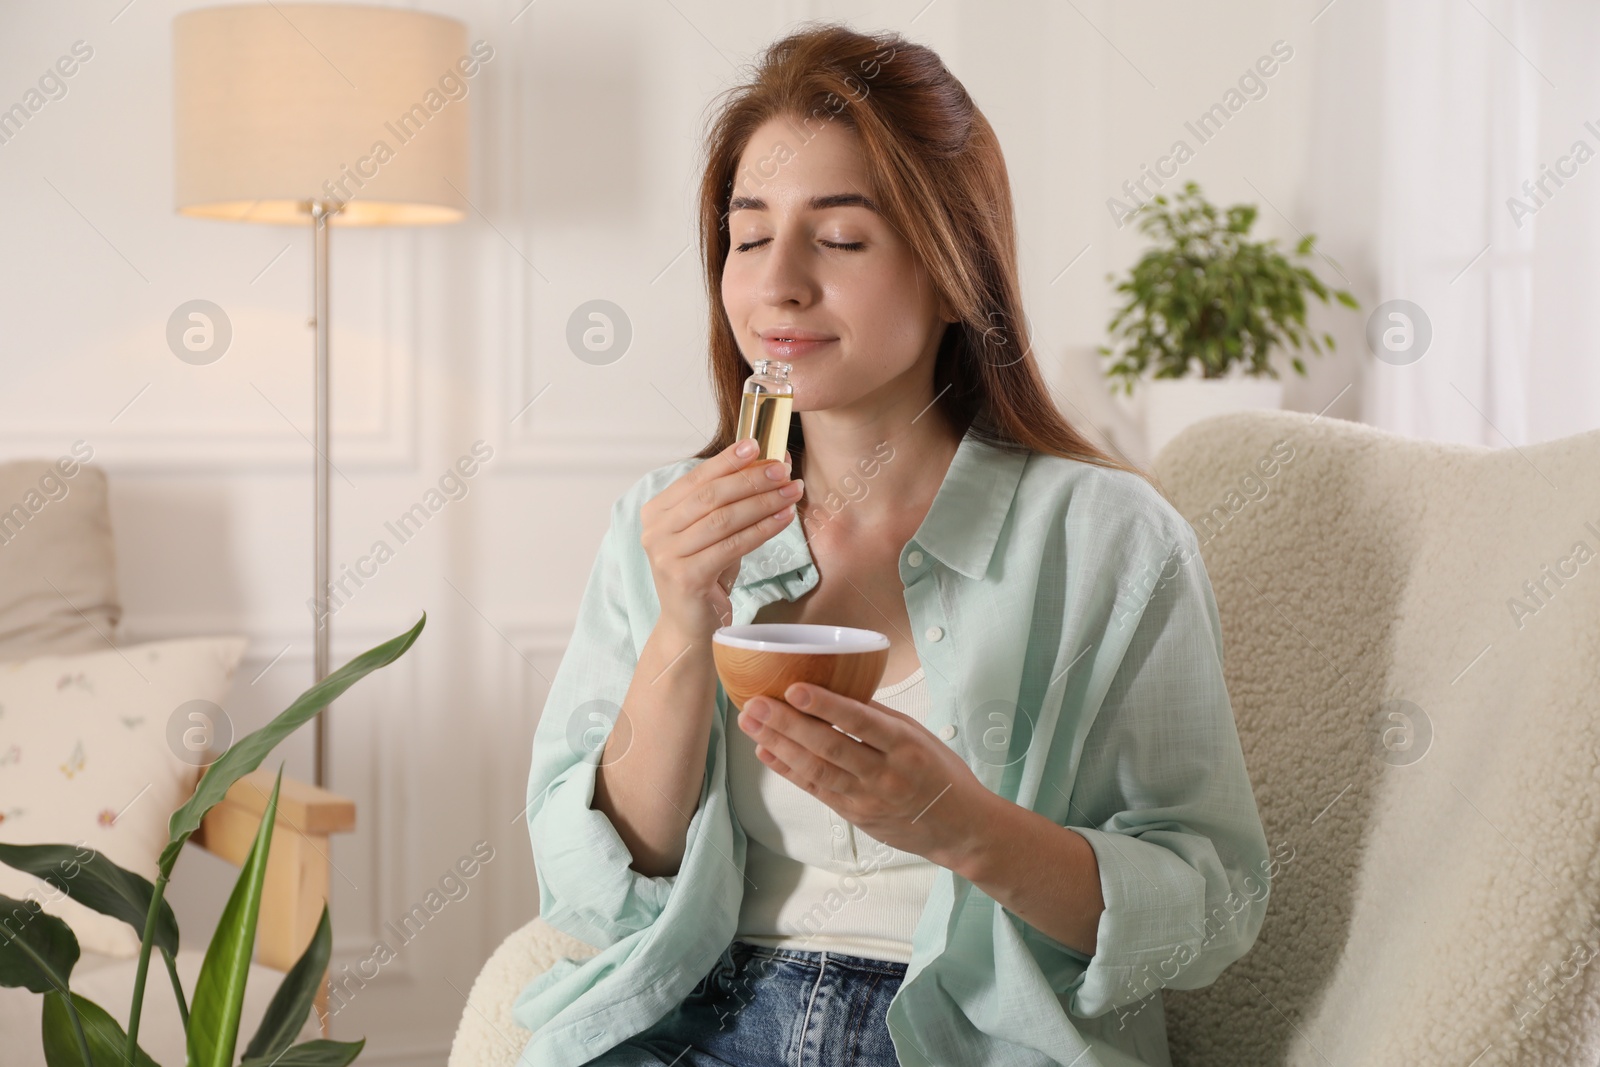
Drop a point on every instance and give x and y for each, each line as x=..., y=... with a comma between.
x=66, y=993
x=144, y=965
x=177, y=988
x=77, y=1028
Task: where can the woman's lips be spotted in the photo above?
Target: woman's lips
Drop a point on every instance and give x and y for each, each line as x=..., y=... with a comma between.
x=788, y=350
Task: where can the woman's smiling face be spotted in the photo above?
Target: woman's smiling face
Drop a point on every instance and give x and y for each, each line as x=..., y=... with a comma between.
x=810, y=253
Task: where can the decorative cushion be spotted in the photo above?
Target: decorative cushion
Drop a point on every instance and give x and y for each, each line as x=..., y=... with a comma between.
x=85, y=758
x=58, y=575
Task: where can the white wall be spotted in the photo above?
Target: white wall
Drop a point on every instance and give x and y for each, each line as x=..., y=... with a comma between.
x=585, y=153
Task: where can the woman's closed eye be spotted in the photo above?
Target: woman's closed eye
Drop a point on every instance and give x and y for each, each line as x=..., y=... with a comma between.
x=851, y=246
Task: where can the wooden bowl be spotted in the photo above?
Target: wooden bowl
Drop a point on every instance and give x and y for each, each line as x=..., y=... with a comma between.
x=766, y=658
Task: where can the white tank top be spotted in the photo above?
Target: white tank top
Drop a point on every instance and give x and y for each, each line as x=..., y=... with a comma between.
x=813, y=881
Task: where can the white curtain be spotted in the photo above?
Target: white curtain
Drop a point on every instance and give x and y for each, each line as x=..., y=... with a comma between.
x=1481, y=96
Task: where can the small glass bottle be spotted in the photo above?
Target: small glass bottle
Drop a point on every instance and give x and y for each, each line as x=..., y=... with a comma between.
x=764, y=411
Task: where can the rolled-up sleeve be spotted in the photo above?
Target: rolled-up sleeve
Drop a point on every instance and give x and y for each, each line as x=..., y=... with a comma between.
x=587, y=886
x=1167, y=805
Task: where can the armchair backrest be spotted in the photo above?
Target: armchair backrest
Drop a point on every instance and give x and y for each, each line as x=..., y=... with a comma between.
x=1411, y=638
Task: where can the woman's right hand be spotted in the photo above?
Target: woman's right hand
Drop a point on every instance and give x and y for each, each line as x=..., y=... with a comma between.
x=696, y=531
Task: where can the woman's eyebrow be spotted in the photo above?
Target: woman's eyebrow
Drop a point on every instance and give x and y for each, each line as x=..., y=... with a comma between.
x=816, y=203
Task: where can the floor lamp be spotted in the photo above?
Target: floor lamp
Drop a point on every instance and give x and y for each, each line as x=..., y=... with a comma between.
x=327, y=114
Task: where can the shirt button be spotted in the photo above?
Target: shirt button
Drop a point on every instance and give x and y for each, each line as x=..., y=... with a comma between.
x=914, y=558
x=947, y=732
x=935, y=633
x=838, y=831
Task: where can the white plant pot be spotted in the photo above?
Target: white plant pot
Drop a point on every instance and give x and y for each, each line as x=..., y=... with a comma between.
x=1170, y=404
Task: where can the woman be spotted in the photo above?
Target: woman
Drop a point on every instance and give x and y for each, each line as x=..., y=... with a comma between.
x=1043, y=817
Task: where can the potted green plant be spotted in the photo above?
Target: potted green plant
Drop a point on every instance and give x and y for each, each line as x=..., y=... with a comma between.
x=1205, y=308
x=38, y=950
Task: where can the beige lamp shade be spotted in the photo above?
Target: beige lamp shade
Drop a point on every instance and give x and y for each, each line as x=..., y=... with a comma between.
x=276, y=105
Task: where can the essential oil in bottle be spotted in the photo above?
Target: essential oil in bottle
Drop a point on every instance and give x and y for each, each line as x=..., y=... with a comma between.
x=764, y=411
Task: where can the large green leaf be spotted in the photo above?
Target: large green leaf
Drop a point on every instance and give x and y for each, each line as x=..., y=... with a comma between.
x=246, y=754
x=105, y=1034
x=318, y=1053
x=295, y=996
x=37, y=950
x=95, y=882
x=219, y=991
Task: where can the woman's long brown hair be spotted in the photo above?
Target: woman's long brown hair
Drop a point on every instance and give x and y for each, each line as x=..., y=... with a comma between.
x=939, y=178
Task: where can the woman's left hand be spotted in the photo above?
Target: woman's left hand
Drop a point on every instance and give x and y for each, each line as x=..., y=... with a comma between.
x=899, y=784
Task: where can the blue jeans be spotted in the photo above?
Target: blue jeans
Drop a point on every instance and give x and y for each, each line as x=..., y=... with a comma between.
x=762, y=1007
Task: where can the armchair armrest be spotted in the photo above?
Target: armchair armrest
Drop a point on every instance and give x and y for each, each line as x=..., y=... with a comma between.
x=298, y=869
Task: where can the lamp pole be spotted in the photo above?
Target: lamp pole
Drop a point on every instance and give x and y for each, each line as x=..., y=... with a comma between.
x=321, y=212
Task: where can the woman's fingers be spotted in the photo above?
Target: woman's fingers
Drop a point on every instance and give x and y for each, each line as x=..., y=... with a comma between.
x=872, y=722
x=730, y=489
x=804, y=763
x=723, y=554
x=738, y=516
x=786, y=727
x=700, y=526
x=704, y=483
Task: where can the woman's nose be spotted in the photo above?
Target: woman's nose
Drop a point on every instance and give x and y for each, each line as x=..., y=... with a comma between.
x=785, y=274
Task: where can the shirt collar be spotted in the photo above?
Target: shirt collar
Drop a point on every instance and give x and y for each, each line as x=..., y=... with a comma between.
x=960, y=530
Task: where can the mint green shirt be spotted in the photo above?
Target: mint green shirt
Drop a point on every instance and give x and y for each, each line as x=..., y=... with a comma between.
x=1069, y=634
